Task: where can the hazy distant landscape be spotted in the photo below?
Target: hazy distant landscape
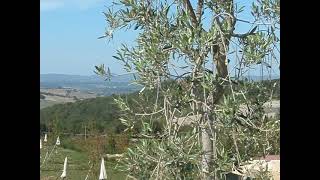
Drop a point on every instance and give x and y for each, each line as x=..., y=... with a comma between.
x=61, y=88
x=92, y=83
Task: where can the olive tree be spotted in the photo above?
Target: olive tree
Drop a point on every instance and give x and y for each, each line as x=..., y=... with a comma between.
x=196, y=46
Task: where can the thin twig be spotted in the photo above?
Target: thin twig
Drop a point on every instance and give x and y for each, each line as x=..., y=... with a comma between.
x=237, y=149
x=149, y=114
x=89, y=171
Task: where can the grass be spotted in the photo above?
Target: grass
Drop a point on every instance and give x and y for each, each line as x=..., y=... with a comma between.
x=77, y=167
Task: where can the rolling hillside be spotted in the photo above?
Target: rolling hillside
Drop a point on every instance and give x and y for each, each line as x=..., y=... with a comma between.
x=61, y=88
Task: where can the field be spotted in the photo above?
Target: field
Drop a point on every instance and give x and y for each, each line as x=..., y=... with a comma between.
x=52, y=96
x=77, y=168
x=47, y=103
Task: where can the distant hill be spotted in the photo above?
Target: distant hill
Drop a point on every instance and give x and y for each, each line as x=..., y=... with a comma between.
x=51, y=96
x=90, y=84
x=81, y=78
x=46, y=103
x=74, y=115
x=64, y=78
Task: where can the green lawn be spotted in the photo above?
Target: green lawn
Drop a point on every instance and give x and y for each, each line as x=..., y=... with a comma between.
x=77, y=168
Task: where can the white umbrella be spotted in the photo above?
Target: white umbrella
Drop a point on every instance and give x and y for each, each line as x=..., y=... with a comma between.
x=103, y=173
x=58, y=141
x=45, y=138
x=64, y=173
x=40, y=144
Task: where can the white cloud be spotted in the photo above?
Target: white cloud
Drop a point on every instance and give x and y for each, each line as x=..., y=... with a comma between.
x=46, y=5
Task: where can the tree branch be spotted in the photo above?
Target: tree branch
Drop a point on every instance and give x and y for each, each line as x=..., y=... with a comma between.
x=149, y=114
x=192, y=14
x=246, y=34
x=199, y=10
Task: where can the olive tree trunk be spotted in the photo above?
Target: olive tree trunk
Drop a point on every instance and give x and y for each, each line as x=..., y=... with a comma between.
x=208, y=133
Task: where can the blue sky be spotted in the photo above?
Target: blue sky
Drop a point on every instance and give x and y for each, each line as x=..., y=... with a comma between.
x=68, y=37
